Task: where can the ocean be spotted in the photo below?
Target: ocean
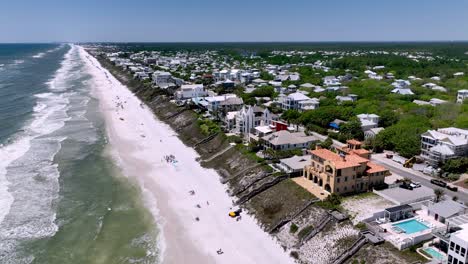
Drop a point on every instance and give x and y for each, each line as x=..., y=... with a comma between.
x=62, y=198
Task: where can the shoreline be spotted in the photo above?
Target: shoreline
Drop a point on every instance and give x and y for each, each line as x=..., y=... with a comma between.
x=139, y=142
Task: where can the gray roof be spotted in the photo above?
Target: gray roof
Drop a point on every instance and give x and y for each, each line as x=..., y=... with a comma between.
x=284, y=137
x=399, y=208
x=458, y=220
x=232, y=101
x=402, y=196
x=446, y=208
x=296, y=162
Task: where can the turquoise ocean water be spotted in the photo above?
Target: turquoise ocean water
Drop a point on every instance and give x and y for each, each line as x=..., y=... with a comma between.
x=62, y=199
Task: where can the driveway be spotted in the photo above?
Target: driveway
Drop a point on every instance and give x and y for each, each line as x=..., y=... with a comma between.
x=416, y=176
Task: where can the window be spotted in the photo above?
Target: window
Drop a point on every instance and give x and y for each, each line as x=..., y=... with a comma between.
x=449, y=258
x=338, y=180
x=337, y=189
x=346, y=178
x=452, y=245
x=338, y=172
x=463, y=251
x=345, y=188
x=457, y=249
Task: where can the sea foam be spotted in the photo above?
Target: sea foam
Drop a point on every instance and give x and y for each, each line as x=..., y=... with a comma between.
x=29, y=184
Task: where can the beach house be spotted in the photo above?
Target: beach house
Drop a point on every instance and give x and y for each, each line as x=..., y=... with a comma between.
x=250, y=117
x=292, y=101
x=461, y=96
x=368, y=121
x=189, y=91
x=442, y=144
x=285, y=140
x=161, y=78
x=343, y=173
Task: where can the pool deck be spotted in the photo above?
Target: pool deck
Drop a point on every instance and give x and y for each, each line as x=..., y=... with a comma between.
x=443, y=256
x=401, y=238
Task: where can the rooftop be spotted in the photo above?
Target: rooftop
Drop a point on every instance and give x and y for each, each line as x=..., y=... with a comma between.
x=446, y=208
x=462, y=234
x=402, y=196
x=296, y=162
x=399, y=208
x=339, y=161
x=298, y=96
x=284, y=137
x=373, y=168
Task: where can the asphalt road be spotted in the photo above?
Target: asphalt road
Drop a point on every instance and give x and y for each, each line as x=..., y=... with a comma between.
x=424, y=180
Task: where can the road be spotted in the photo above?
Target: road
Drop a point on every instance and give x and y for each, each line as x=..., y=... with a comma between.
x=416, y=176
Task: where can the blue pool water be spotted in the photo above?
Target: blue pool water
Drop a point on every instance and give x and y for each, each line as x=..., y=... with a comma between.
x=434, y=253
x=411, y=226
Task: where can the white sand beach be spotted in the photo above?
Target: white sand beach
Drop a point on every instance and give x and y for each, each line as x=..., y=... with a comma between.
x=139, y=142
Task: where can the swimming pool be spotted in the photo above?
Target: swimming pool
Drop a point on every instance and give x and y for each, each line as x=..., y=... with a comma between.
x=411, y=226
x=434, y=253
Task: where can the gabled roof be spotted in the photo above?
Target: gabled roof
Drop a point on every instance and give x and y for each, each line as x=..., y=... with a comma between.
x=298, y=96
x=443, y=149
x=307, y=85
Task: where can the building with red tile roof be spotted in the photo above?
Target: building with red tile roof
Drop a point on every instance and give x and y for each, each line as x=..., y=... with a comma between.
x=344, y=172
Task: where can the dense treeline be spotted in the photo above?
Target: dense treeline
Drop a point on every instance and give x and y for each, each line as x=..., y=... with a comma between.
x=402, y=66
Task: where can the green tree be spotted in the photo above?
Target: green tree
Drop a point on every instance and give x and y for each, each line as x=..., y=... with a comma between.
x=387, y=118
x=327, y=143
x=291, y=116
x=352, y=129
x=459, y=165
x=266, y=76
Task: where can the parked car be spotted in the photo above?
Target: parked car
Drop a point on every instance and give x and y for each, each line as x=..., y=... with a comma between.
x=452, y=188
x=439, y=183
x=406, y=186
x=415, y=184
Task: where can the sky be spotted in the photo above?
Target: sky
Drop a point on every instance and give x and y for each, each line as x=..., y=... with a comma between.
x=238, y=20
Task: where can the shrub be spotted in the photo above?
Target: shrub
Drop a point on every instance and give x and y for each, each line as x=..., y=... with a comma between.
x=294, y=254
x=293, y=228
x=235, y=139
x=361, y=226
x=305, y=231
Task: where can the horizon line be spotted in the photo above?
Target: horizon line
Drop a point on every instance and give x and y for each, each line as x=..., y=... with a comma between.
x=247, y=41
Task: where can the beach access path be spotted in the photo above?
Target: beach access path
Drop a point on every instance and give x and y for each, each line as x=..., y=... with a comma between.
x=177, y=190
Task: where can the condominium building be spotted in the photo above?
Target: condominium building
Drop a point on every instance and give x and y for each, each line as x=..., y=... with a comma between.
x=442, y=144
x=458, y=247
x=349, y=171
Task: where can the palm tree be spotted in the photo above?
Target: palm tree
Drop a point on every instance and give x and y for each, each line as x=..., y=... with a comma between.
x=439, y=193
